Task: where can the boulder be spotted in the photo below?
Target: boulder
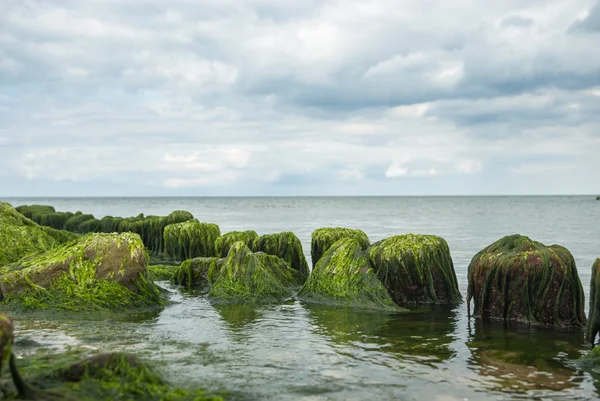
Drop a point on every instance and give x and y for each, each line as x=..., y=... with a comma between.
x=190, y=239
x=323, y=238
x=593, y=323
x=520, y=280
x=98, y=271
x=224, y=242
x=197, y=273
x=415, y=268
x=246, y=276
x=343, y=276
x=6, y=340
x=286, y=246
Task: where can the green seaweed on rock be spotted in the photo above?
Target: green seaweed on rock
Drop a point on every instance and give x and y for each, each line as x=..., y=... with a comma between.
x=286, y=246
x=224, y=242
x=190, y=239
x=323, y=238
x=593, y=323
x=161, y=272
x=517, y=279
x=74, y=223
x=197, y=272
x=415, y=268
x=343, y=276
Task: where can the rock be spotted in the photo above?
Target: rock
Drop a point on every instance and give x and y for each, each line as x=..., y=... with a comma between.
x=343, y=276
x=246, y=276
x=323, y=238
x=6, y=340
x=197, y=272
x=161, y=272
x=598, y=198
x=75, y=222
x=99, y=271
x=191, y=239
x=415, y=268
x=45, y=215
x=520, y=280
x=593, y=323
x=224, y=242
x=286, y=246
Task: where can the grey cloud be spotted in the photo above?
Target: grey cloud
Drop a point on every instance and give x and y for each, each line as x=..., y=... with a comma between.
x=591, y=23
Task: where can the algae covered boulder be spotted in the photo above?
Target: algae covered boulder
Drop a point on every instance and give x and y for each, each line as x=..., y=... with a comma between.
x=415, y=268
x=99, y=271
x=246, y=276
x=593, y=323
x=323, y=238
x=343, y=276
x=286, y=246
x=191, y=239
x=517, y=279
x=6, y=340
x=197, y=272
x=224, y=242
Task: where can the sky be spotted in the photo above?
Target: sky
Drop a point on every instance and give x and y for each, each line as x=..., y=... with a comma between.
x=303, y=97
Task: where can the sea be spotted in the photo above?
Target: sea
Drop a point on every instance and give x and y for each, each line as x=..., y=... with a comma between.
x=295, y=351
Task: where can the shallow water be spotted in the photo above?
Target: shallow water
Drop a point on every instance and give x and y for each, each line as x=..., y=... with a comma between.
x=297, y=351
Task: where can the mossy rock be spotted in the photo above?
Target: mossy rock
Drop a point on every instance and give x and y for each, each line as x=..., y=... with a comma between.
x=591, y=359
x=19, y=236
x=6, y=340
x=248, y=277
x=197, y=273
x=286, y=246
x=517, y=279
x=415, y=268
x=161, y=272
x=75, y=222
x=224, y=242
x=343, y=276
x=323, y=238
x=191, y=239
x=99, y=271
x=593, y=323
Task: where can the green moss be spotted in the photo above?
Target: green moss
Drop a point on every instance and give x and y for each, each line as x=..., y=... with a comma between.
x=191, y=239
x=591, y=359
x=517, y=279
x=161, y=272
x=197, y=273
x=344, y=277
x=286, y=246
x=244, y=278
x=224, y=242
x=593, y=323
x=323, y=238
x=415, y=268
x=98, y=272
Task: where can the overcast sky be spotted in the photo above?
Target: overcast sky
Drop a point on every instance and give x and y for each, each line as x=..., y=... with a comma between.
x=302, y=97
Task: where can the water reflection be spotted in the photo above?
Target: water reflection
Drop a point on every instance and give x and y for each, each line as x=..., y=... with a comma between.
x=420, y=336
x=238, y=318
x=522, y=359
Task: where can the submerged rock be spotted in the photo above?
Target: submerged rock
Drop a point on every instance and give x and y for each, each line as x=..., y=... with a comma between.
x=286, y=246
x=197, y=272
x=343, y=276
x=191, y=239
x=517, y=279
x=6, y=340
x=246, y=276
x=415, y=268
x=224, y=242
x=593, y=323
x=323, y=238
x=99, y=271
x=161, y=272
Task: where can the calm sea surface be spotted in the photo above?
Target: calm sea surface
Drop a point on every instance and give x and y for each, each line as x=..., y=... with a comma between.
x=300, y=352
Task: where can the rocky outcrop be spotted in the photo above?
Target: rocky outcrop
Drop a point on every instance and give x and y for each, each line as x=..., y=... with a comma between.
x=323, y=238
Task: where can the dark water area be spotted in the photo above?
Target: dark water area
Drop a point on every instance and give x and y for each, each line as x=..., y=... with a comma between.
x=295, y=351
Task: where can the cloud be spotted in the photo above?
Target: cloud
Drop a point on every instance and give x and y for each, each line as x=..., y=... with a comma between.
x=396, y=170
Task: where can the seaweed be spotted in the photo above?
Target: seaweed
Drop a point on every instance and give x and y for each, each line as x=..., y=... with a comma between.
x=415, y=268
x=6, y=340
x=517, y=279
x=224, y=242
x=90, y=226
x=286, y=246
x=197, y=272
x=74, y=223
x=593, y=323
x=323, y=238
x=244, y=278
x=190, y=239
x=97, y=272
x=344, y=277
x=161, y=272
x=61, y=236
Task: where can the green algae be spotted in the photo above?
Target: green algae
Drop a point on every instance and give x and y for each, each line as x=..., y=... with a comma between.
x=415, y=268
x=197, y=273
x=45, y=215
x=191, y=239
x=224, y=242
x=97, y=272
x=517, y=279
x=593, y=323
x=61, y=236
x=286, y=246
x=6, y=340
x=161, y=272
x=244, y=278
x=75, y=222
x=343, y=276
x=90, y=226
x=323, y=238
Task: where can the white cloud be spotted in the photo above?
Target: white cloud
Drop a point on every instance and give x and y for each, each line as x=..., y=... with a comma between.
x=352, y=173
x=428, y=172
x=396, y=170
x=469, y=166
